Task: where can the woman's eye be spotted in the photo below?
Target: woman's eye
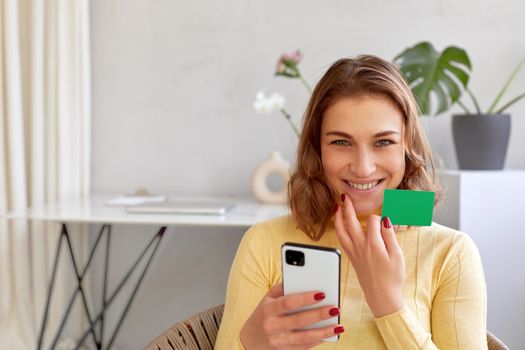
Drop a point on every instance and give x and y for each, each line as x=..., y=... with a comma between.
x=340, y=143
x=383, y=143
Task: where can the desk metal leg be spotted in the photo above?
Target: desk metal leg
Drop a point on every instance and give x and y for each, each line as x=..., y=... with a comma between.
x=158, y=236
x=137, y=286
x=49, y=292
x=79, y=289
x=104, y=287
x=105, y=302
x=64, y=235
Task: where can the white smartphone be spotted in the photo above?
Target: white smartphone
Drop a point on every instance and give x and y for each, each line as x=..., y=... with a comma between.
x=308, y=268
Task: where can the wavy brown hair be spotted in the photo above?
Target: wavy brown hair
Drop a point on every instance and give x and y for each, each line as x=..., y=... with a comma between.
x=311, y=199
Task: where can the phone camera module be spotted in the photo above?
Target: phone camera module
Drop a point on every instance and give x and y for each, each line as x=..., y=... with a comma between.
x=294, y=257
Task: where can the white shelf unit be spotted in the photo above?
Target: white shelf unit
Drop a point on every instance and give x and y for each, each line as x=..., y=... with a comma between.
x=490, y=207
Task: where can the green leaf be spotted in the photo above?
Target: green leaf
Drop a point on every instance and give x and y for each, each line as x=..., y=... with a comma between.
x=505, y=87
x=452, y=88
x=429, y=73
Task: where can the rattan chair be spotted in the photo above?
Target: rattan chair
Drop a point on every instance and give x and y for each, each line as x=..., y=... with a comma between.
x=195, y=333
x=495, y=343
x=200, y=331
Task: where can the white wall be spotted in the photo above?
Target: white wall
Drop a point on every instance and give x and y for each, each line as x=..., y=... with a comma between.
x=173, y=86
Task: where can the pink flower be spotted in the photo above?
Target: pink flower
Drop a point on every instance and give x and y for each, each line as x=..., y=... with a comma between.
x=287, y=64
x=294, y=57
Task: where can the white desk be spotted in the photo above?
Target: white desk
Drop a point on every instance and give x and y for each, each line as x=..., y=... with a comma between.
x=245, y=213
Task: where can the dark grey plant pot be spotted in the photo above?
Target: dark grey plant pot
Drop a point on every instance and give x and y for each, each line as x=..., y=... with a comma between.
x=481, y=140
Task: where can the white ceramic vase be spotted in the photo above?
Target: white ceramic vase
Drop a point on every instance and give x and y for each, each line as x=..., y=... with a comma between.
x=276, y=165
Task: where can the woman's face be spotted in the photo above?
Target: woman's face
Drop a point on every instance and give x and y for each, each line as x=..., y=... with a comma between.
x=362, y=149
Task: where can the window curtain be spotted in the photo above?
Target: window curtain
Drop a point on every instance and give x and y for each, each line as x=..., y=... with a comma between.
x=44, y=156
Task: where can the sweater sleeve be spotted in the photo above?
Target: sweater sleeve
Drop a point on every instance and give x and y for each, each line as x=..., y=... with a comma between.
x=249, y=281
x=459, y=308
x=458, y=314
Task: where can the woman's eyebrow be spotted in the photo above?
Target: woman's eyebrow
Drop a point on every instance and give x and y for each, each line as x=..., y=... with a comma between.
x=348, y=136
x=386, y=133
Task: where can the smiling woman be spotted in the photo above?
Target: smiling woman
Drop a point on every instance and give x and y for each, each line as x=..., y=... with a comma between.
x=416, y=287
x=360, y=100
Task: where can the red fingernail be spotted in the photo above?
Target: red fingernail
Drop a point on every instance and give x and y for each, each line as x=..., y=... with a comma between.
x=336, y=208
x=319, y=296
x=343, y=197
x=386, y=222
x=339, y=329
x=334, y=311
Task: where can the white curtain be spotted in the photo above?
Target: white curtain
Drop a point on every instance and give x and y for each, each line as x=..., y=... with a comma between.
x=44, y=153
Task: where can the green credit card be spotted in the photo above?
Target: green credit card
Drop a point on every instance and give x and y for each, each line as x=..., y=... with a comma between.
x=408, y=207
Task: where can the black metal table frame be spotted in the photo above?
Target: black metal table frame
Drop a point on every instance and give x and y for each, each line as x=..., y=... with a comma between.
x=98, y=340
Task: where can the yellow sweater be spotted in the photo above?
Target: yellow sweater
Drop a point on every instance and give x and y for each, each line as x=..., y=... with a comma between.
x=444, y=290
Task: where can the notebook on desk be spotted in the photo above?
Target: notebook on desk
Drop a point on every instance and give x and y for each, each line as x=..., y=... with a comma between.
x=186, y=207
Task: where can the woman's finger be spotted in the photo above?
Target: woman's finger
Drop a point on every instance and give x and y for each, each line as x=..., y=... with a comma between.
x=351, y=220
x=341, y=231
x=314, y=335
x=303, y=346
x=308, y=317
x=374, y=232
x=389, y=237
x=291, y=302
x=276, y=291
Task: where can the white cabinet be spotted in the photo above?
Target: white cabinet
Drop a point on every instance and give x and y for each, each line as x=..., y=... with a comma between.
x=490, y=207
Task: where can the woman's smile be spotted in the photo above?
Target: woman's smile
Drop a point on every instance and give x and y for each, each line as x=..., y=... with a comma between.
x=364, y=186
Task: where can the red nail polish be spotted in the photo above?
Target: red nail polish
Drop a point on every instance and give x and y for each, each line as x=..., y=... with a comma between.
x=386, y=222
x=334, y=311
x=343, y=197
x=319, y=296
x=336, y=208
x=339, y=329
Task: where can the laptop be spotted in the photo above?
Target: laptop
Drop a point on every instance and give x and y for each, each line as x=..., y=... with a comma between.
x=184, y=207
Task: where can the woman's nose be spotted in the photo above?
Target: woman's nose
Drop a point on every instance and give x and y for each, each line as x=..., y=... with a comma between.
x=363, y=164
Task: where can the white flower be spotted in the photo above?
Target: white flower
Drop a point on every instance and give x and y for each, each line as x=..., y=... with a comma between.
x=270, y=104
x=277, y=101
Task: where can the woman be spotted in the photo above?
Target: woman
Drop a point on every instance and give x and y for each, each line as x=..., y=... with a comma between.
x=401, y=287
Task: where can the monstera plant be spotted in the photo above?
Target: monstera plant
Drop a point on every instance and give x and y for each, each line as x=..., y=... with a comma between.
x=438, y=81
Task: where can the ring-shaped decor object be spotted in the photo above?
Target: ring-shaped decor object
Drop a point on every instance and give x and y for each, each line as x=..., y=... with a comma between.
x=277, y=165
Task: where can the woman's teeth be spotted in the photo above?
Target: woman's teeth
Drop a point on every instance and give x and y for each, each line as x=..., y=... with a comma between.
x=363, y=187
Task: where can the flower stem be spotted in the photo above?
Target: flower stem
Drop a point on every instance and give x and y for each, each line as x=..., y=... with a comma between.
x=305, y=83
x=290, y=121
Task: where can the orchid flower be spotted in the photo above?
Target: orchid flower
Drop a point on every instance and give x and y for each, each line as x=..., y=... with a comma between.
x=273, y=103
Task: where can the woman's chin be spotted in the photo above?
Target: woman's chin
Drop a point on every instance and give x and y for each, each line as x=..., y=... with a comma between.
x=362, y=210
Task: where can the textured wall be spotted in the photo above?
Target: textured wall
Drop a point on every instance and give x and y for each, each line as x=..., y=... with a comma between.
x=174, y=82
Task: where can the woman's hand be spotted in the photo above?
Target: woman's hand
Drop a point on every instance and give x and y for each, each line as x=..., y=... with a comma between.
x=271, y=327
x=376, y=257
